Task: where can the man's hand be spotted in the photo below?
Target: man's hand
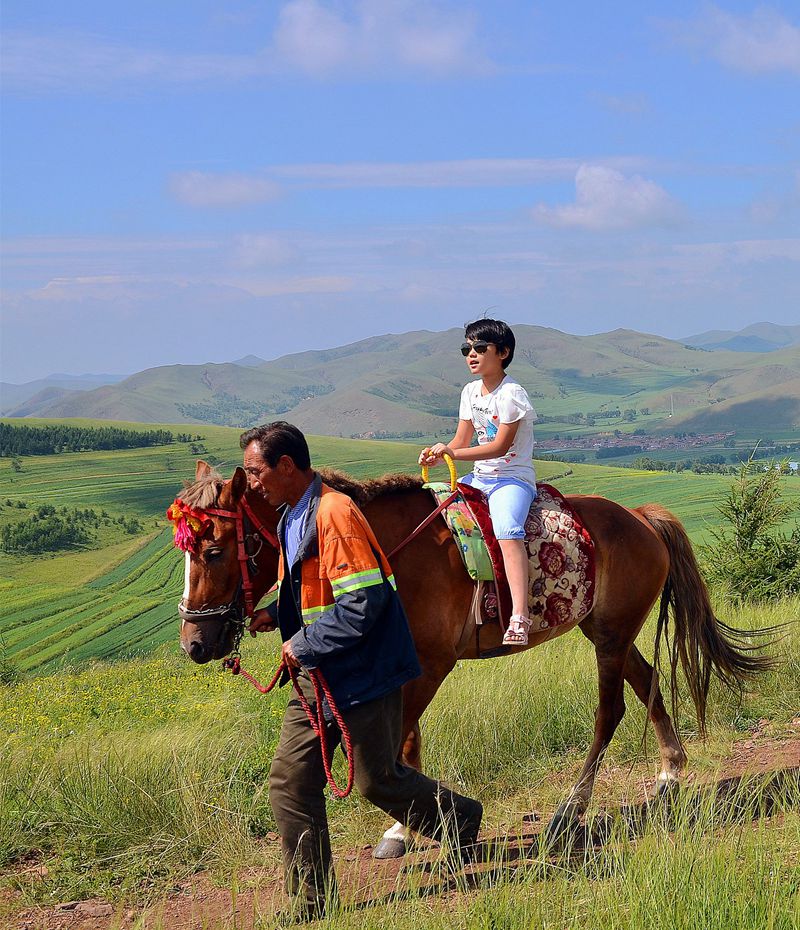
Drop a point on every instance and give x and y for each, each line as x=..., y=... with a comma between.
x=288, y=656
x=261, y=622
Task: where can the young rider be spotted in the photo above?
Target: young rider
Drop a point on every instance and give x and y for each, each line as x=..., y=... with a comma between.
x=498, y=410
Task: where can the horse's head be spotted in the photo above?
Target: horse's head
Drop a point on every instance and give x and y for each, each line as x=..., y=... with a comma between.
x=212, y=517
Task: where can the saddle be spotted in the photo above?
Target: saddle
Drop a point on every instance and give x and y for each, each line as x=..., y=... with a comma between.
x=560, y=551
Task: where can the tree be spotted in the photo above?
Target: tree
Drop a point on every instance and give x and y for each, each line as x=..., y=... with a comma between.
x=750, y=560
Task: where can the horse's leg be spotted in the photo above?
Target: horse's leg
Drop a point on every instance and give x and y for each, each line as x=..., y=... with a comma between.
x=417, y=695
x=639, y=675
x=611, y=658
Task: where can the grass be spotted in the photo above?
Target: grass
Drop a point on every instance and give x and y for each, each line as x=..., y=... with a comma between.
x=122, y=779
x=125, y=779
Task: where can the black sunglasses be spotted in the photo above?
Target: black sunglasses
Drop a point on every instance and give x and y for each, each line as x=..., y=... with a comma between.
x=479, y=346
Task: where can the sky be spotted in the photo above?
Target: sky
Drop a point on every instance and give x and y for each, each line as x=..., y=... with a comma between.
x=197, y=181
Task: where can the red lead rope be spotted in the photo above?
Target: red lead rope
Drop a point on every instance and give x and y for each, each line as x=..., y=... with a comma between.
x=317, y=720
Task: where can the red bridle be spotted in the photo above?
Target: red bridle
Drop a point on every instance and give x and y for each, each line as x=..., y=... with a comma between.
x=180, y=511
x=245, y=511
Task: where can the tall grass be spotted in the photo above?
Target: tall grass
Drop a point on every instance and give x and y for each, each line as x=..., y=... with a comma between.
x=694, y=878
x=124, y=779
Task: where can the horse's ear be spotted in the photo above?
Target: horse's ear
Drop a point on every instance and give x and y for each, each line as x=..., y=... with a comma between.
x=238, y=484
x=201, y=470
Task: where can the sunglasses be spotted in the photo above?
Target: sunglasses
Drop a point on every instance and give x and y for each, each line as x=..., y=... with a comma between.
x=479, y=346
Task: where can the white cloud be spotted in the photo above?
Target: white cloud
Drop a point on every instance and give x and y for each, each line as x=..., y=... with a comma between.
x=624, y=104
x=254, y=251
x=762, y=42
x=200, y=189
x=70, y=61
x=468, y=172
x=378, y=36
x=744, y=251
x=607, y=199
x=293, y=284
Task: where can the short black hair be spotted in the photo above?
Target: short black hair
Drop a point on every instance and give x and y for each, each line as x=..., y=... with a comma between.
x=495, y=331
x=277, y=439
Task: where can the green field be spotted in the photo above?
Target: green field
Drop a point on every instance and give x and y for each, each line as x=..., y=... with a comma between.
x=124, y=781
x=117, y=598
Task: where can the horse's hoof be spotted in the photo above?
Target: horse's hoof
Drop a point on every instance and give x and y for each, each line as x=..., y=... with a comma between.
x=666, y=791
x=565, y=823
x=600, y=829
x=389, y=849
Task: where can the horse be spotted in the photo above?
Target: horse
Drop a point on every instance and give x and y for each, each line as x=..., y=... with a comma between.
x=642, y=555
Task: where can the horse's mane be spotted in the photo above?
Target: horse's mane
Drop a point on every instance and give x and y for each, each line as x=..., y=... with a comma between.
x=203, y=492
x=363, y=492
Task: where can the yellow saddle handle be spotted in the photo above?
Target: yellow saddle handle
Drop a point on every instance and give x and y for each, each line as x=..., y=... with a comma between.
x=452, y=468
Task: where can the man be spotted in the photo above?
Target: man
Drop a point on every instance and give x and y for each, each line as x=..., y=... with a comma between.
x=333, y=572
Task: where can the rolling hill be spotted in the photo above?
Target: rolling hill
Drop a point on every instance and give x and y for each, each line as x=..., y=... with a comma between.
x=12, y=396
x=407, y=385
x=759, y=337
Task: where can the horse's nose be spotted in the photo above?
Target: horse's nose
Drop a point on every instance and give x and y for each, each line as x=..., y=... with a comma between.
x=197, y=652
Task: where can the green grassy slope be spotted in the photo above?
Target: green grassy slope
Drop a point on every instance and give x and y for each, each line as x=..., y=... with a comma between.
x=119, y=598
x=124, y=786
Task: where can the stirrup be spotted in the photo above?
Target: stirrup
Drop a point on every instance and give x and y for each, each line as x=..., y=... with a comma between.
x=517, y=632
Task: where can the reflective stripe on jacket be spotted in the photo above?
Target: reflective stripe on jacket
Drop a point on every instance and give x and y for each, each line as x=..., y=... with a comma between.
x=341, y=586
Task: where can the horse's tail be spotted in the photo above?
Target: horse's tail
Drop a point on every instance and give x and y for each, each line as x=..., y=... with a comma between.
x=701, y=641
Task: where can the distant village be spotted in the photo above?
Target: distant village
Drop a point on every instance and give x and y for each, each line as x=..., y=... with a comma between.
x=617, y=443
x=644, y=443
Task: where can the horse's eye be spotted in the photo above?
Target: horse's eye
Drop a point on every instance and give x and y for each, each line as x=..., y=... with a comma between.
x=211, y=554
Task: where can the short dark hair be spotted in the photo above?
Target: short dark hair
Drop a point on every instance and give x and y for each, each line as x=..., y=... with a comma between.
x=277, y=439
x=495, y=331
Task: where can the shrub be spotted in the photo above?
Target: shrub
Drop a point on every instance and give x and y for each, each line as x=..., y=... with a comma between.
x=749, y=559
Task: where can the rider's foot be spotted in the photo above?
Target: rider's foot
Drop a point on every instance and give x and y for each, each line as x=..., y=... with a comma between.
x=517, y=632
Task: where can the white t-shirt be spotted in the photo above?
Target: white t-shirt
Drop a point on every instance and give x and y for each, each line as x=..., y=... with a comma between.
x=507, y=403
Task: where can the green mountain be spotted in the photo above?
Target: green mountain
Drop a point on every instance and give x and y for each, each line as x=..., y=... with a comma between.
x=408, y=385
x=759, y=337
x=13, y=396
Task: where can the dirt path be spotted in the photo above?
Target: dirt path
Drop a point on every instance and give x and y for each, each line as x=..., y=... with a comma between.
x=200, y=904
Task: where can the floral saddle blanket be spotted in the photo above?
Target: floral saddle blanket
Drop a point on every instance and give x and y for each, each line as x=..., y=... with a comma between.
x=560, y=550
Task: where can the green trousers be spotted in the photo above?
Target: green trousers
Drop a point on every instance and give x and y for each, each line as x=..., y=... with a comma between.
x=297, y=783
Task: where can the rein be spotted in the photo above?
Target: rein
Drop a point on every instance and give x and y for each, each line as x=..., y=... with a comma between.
x=432, y=516
x=426, y=522
x=317, y=720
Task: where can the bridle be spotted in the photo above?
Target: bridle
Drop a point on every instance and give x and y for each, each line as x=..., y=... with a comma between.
x=250, y=532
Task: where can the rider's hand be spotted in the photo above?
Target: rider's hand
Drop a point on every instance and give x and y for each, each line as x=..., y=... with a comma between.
x=288, y=656
x=262, y=622
x=435, y=454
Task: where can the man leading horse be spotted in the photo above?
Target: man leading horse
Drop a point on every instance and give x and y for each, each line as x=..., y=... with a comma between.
x=332, y=571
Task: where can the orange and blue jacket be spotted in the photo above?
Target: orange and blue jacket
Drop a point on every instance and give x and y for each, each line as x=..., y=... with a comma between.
x=338, y=603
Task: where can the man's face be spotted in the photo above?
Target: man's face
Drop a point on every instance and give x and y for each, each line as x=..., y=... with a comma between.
x=272, y=482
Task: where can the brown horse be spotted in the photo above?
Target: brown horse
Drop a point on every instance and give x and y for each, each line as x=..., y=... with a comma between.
x=641, y=554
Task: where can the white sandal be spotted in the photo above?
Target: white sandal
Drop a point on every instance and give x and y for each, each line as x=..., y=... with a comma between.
x=517, y=632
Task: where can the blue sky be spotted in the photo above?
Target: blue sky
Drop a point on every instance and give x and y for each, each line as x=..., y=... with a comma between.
x=190, y=182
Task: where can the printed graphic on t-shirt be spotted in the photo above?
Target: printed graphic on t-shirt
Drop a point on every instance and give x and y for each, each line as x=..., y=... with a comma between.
x=485, y=424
